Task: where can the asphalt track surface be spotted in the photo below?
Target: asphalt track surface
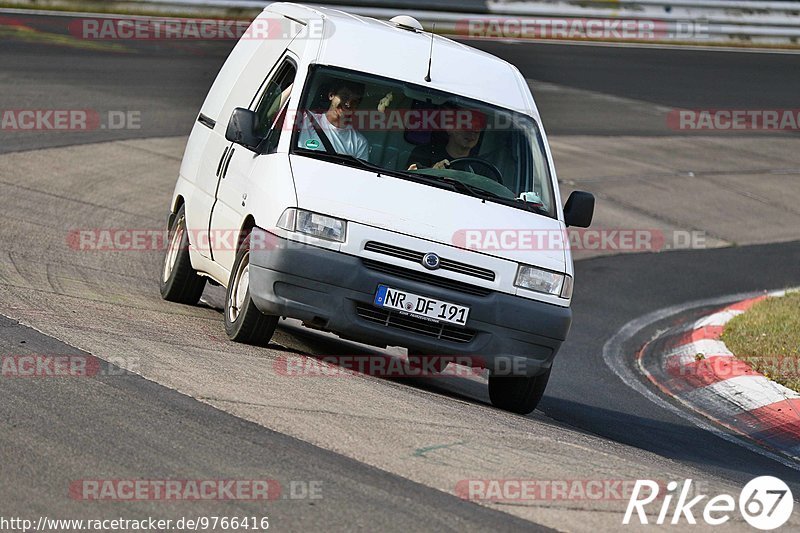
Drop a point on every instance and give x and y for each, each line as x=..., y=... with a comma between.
x=52, y=431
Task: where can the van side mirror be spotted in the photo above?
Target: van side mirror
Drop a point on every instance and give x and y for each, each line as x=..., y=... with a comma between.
x=242, y=127
x=579, y=209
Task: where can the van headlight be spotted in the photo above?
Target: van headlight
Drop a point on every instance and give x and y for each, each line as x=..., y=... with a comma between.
x=539, y=280
x=313, y=224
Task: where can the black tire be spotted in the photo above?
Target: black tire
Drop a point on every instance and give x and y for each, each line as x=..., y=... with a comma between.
x=179, y=281
x=243, y=321
x=518, y=394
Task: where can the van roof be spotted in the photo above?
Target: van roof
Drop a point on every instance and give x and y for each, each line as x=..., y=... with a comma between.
x=379, y=47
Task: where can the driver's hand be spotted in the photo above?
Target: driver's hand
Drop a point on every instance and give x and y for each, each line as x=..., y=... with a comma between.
x=443, y=164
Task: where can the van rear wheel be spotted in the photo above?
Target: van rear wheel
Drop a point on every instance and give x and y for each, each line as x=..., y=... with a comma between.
x=179, y=281
x=518, y=394
x=243, y=321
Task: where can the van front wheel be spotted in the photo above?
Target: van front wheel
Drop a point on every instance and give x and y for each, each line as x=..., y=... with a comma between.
x=518, y=394
x=243, y=321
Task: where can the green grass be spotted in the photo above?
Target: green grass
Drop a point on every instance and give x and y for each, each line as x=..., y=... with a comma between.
x=767, y=337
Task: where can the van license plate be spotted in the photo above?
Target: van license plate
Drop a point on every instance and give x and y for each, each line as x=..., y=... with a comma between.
x=421, y=306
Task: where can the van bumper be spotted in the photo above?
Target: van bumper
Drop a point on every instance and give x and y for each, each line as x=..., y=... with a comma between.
x=334, y=291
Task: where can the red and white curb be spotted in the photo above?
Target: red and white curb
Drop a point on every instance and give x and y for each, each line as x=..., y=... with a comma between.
x=692, y=365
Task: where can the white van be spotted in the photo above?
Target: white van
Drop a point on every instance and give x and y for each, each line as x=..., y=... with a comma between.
x=381, y=183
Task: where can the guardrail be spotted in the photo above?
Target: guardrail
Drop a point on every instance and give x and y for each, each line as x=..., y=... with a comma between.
x=695, y=21
x=698, y=21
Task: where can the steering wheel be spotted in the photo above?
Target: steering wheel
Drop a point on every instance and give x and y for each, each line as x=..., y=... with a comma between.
x=467, y=163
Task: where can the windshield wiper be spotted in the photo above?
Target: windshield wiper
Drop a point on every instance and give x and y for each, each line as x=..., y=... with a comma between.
x=475, y=191
x=345, y=159
x=352, y=161
x=488, y=195
x=460, y=186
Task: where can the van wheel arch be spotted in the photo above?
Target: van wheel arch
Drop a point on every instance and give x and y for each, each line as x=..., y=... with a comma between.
x=244, y=322
x=248, y=224
x=177, y=204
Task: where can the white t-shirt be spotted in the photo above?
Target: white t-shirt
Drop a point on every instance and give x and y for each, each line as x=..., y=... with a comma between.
x=344, y=140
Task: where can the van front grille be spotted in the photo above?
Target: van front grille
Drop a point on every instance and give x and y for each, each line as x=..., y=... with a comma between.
x=393, y=319
x=428, y=279
x=416, y=257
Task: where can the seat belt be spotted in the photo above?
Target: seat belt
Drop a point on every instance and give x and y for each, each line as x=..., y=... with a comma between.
x=326, y=142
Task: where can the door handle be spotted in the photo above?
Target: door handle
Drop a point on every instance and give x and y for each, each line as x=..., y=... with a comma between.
x=221, y=159
x=227, y=162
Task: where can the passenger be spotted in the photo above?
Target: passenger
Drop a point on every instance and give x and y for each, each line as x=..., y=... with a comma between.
x=461, y=142
x=336, y=122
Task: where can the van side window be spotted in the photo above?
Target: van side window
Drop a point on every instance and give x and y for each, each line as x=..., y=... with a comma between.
x=274, y=99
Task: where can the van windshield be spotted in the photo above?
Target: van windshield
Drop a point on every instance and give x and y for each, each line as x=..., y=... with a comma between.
x=426, y=135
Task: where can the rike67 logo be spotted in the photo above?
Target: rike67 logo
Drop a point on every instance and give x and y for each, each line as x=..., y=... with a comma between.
x=765, y=503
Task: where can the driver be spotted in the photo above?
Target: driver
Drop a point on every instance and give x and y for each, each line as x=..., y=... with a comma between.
x=344, y=98
x=461, y=142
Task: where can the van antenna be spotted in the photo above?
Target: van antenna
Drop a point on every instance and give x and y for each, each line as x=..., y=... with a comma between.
x=430, y=56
